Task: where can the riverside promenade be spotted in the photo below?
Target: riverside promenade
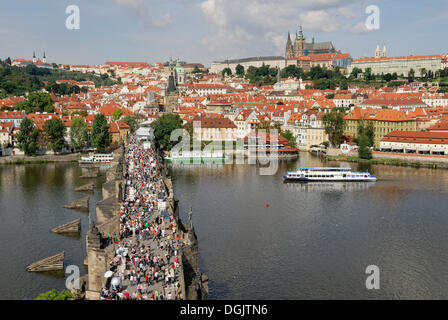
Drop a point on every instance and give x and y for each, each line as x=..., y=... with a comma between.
x=139, y=249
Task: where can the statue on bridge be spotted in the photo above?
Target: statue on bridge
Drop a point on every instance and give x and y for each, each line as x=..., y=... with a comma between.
x=190, y=217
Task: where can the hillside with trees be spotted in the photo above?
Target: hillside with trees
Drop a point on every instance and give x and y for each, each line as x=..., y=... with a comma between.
x=16, y=81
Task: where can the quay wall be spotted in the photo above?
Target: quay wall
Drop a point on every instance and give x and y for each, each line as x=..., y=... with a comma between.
x=194, y=284
x=390, y=158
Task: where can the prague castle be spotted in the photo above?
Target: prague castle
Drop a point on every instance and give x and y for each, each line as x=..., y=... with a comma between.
x=302, y=54
x=302, y=48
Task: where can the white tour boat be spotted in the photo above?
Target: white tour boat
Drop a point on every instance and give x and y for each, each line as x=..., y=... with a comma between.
x=328, y=174
x=203, y=155
x=97, y=158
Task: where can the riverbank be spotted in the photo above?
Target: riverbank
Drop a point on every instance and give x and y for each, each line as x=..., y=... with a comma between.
x=11, y=160
x=392, y=161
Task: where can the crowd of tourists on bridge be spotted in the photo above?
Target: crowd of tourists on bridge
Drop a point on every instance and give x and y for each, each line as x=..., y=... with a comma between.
x=146, y=256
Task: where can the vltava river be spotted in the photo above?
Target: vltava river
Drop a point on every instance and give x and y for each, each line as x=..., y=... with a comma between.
x=31, y=200
x=315, y=240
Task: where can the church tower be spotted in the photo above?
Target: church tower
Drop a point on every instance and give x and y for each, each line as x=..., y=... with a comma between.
x=44, y=58
x=34, y=57
x=384, y=54
x=299, y=45
x=378, y=52
x=289, y=53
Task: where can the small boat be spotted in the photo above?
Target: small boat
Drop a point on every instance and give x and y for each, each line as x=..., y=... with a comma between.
x=97, y=158
x=200, y=155
x=305, y=174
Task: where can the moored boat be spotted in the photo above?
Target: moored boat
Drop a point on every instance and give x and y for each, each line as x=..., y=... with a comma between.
x=199, y=155
x=97, y=158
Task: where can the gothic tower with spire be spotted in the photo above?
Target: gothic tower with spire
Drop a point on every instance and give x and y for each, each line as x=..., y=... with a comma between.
x=299, y=45
x=289, y=49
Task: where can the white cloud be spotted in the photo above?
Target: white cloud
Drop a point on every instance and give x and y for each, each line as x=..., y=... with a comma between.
x=228, y=43
x=278, y=40
x=267, y=22
x=346, y=13
x=319, y=21
x=148, y=18
x=163, y=21
x=213, y=13
x=359, y=28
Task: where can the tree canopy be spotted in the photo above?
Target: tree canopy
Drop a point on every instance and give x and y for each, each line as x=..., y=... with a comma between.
x=163, y=127
x=54, y=295
x=101, y=138
x=239, y=70
x=365, y=138
x=78, y=133
x=334, y=124
x=27, y=137
x=36, y=102
x=116, y=115
x=131, y=121
x=54, y=132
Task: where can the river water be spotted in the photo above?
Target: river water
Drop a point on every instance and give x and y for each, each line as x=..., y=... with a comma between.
x=315, y=240
x=31, y=200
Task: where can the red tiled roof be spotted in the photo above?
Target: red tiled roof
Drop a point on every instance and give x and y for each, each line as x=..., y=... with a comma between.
x=378, y=114
x=417, y=137
x=435, y=56
x=215, y=122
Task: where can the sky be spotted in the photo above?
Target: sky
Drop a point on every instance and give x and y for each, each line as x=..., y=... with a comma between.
x=202, y=31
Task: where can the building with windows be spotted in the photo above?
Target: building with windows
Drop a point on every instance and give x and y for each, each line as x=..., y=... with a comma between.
x=273, y=61
x=384, y=121
x=215, y=129
x=417, y=142
x=399, y=65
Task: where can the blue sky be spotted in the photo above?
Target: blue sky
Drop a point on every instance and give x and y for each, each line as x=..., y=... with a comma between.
x=207, y=30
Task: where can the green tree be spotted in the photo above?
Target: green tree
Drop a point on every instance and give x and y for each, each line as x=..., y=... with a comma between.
x=355, y=72
x=366, y=128
x=411, y=75
x=78, y=133
x=54, y=132
x=54, y=295
x=131, y=121
x=239, y=70
x=368, y=74
x=101, y=138
x=36, y=102
x=364, y=150
x=290, y=136
x=116, y=115
x=226, y=71
x=365, y=138
x=334, y=124
x=27, y=137
x=423, y=73
x=163, y=127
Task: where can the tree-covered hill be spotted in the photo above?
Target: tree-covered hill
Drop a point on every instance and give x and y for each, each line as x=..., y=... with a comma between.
x=16, y=81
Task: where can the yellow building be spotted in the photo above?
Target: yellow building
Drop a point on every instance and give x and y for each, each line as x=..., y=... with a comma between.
x=315, y=137
x=119, y=132
x=384, y=121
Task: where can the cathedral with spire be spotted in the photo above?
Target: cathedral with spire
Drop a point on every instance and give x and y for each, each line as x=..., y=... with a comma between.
x=302, y=48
